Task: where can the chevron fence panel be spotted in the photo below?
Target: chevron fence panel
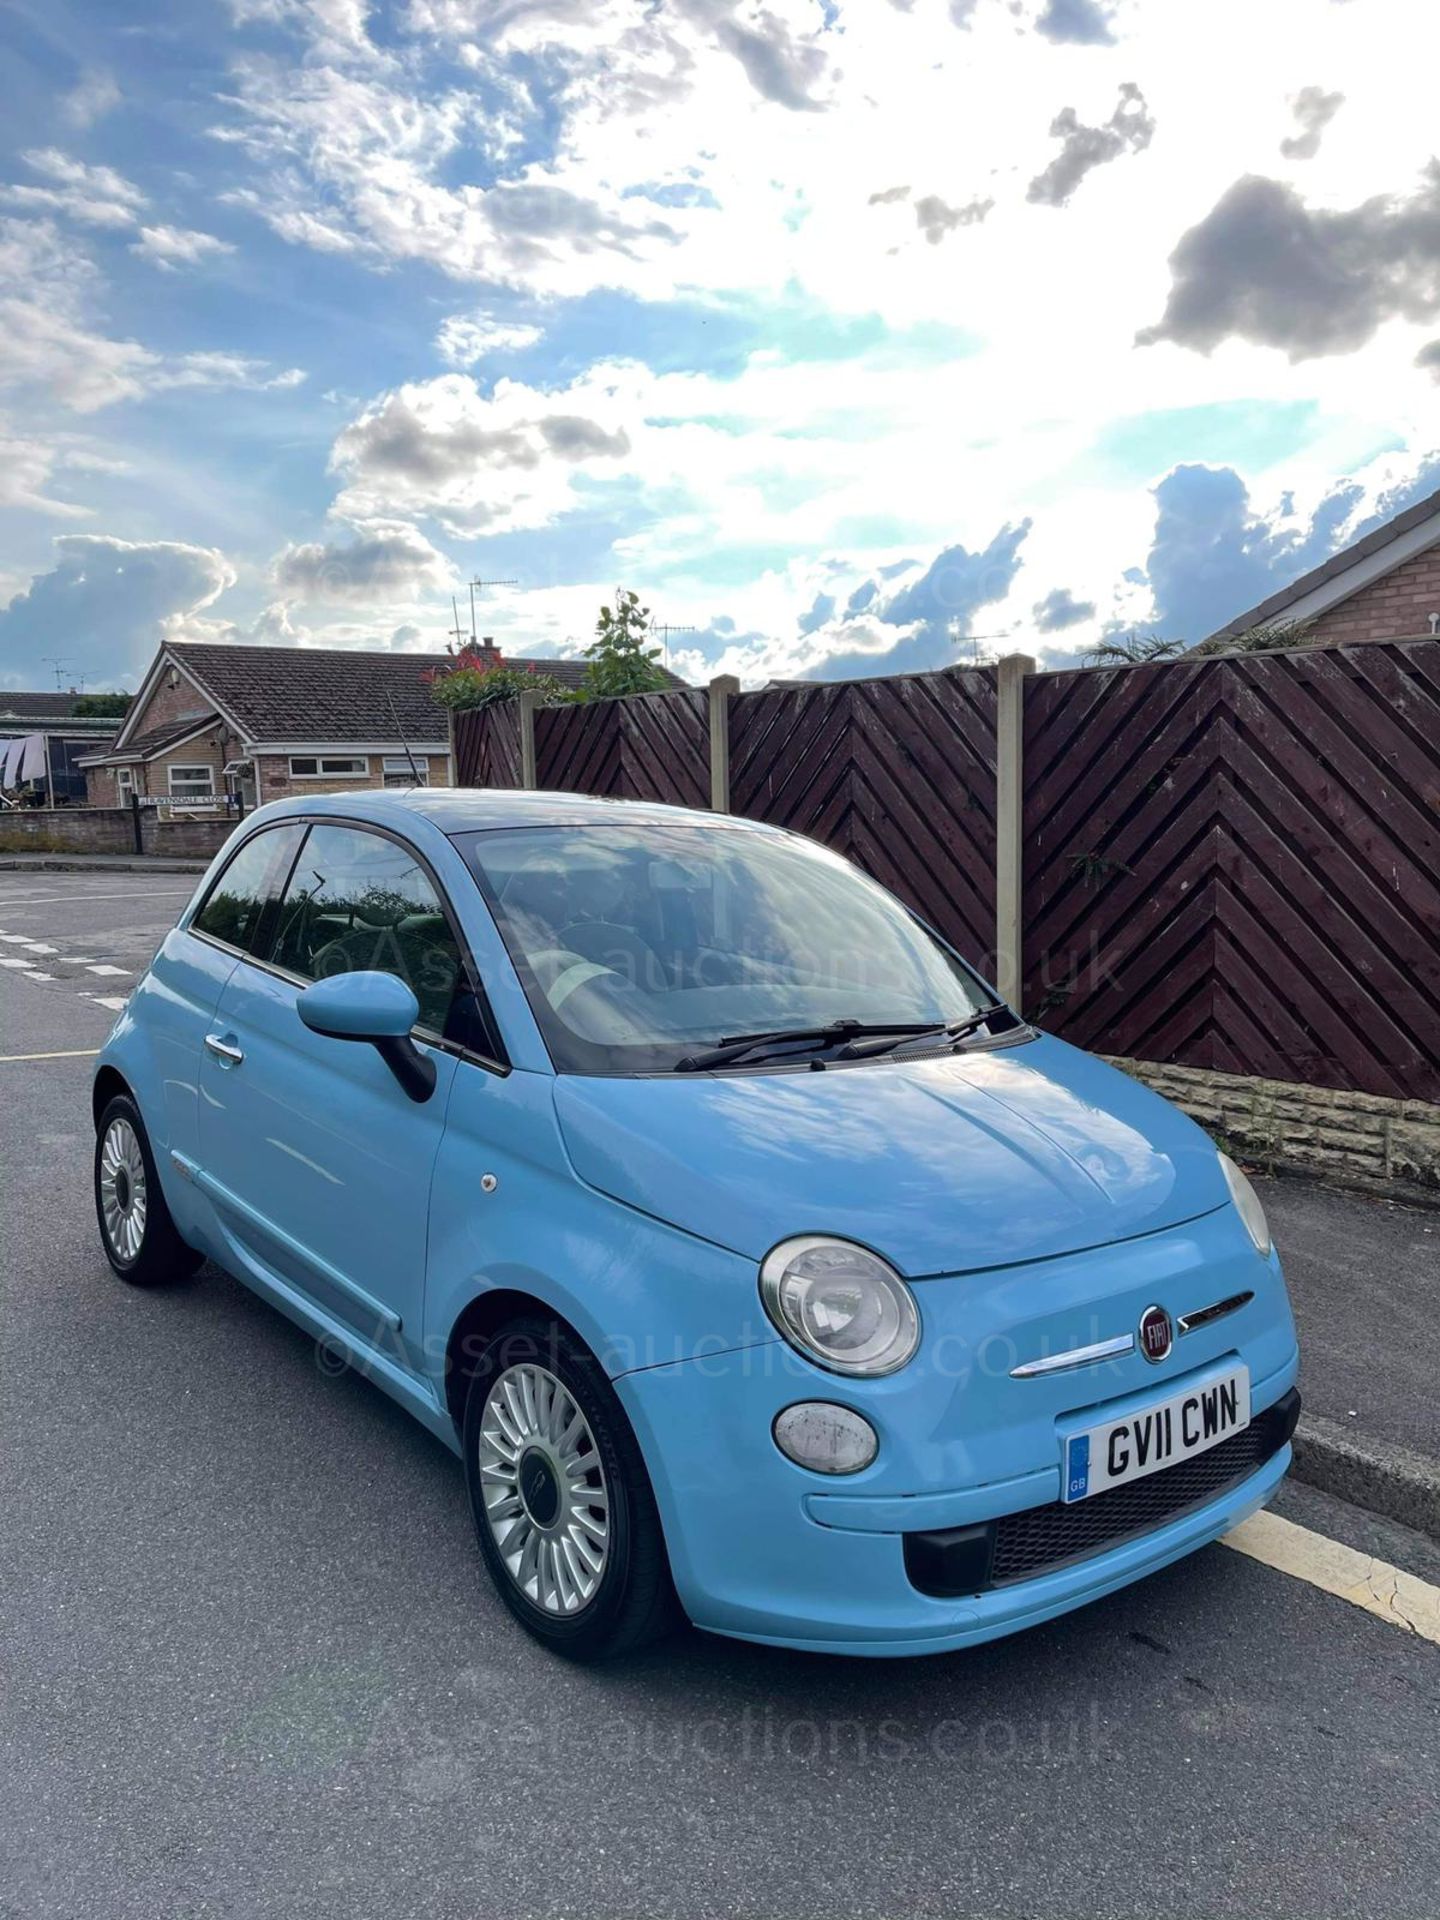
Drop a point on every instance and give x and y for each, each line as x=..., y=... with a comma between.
x=1235, y=863
x=577, y=749
x=665, y=747
x=487, y=746
x=897, y=774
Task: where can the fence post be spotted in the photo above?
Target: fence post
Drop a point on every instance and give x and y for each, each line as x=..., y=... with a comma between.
x=720, y=690
x=1010, y=824
x=529, y=700
x=450, y=743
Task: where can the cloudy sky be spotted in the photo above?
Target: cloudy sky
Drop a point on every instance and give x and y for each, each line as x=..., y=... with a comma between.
x=856, y=334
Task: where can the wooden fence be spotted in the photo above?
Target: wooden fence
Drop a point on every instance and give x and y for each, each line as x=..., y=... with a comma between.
x=1229, y=863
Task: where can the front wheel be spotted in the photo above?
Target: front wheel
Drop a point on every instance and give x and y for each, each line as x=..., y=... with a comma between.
x=563, y=1509
x=136, y=1230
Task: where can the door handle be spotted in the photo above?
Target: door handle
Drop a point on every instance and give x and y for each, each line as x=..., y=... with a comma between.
x=232, y=1056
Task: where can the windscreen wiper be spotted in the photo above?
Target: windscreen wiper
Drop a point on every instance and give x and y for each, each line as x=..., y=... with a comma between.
x=953, y=1032
x=735, y=1046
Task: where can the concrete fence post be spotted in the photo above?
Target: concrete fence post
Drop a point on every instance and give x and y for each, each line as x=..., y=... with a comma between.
x=720, y=691
x=1010, y=823
x=529, y=700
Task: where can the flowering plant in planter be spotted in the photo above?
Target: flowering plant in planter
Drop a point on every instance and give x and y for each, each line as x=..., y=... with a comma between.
x=479, y=678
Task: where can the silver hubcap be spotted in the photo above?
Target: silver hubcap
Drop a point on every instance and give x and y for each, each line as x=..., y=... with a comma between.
x=546, y=1500
x=122, y=1189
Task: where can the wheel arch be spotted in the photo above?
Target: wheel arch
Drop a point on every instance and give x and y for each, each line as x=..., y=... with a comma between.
x=107, y=1083
x=473, y=1329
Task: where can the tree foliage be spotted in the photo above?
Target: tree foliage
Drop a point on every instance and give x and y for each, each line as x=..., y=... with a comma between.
x=1132, y=649
x=620, y=660
x=101, y=706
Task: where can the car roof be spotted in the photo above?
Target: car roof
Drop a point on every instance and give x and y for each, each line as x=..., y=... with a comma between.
x=475, y=809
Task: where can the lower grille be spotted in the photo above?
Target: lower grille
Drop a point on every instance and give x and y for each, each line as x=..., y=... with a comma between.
x=1021, y=1546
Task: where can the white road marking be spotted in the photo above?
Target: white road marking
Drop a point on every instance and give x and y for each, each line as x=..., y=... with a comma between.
x=37, y=946
x=1401, y=1599
x=76, y=959
x=35, y=974
x=90, y=967
x=107, y=1000
x=6, y=962
x=15, y=939
x=65, y=899
x=74, y=1053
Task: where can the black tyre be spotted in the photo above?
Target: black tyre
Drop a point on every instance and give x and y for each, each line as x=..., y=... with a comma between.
x=136, y=1230
x=563, y=1508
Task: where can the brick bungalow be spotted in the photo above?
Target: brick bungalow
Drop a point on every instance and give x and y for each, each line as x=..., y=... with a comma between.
x=1385, y=586
x=212, y=720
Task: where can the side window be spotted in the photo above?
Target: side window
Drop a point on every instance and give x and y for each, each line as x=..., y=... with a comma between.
x=358, y=902
x=234, y=909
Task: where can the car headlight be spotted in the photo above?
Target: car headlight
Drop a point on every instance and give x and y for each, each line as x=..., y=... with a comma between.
x=840, y=1305
x=1247, y=1205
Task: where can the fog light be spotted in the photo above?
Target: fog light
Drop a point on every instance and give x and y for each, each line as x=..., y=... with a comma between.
x=824, y=1438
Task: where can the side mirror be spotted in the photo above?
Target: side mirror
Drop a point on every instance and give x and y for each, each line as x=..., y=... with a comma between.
x=378, y=1008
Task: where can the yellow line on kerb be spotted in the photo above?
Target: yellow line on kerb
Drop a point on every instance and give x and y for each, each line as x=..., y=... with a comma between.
x=1401, y=1599
x=72, y=1053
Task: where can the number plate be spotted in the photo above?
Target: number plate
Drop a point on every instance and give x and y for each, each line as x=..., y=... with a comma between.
x=1177, y=1428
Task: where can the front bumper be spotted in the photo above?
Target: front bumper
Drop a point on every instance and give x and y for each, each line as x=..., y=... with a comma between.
x=764, y=1550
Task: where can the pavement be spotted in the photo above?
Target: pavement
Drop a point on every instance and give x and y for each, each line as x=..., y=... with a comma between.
x=251, y=1665
x=97, y=863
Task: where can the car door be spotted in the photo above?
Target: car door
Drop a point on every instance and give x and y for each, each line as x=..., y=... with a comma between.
x=317, y=1160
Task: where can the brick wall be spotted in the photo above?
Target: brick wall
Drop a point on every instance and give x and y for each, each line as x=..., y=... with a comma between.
x=110, y=830
x=205, y=751
x=276, y=783
x=169, y=703
x=1397, y=606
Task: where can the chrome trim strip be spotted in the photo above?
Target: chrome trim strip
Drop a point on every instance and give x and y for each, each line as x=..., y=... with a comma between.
x=1076, y=1357
x=1204, y=1316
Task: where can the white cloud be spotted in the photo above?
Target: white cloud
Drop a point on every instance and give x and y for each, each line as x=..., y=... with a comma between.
x=466, y=338
x=26, y=467
x=478, y=462
x=94, y=95
x=380, y=564
x=172, y=247
x=50, y=347
x=111, y=602
x=95, y=196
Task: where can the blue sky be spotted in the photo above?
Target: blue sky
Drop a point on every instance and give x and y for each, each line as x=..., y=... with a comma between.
x=856, y=336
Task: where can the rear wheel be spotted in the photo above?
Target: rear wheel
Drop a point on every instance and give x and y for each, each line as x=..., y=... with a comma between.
x=563, y=1509
x=136, y=1230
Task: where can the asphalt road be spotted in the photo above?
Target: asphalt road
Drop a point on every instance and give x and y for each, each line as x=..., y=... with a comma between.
x=251, y=1665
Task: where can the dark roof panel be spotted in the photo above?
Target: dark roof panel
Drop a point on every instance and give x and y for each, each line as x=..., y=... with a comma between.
x=333, y=693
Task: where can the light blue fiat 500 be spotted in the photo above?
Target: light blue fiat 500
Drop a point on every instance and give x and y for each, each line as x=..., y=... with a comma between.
x=757, y=1262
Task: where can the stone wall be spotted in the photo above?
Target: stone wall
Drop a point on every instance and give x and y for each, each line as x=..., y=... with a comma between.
x=1361, y=1139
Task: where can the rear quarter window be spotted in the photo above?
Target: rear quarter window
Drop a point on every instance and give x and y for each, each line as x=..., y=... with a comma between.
x=233, y=912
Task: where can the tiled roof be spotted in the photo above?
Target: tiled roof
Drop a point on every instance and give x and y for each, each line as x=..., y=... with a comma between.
x=47, y=708
x=1278, y=604
x=334, y=693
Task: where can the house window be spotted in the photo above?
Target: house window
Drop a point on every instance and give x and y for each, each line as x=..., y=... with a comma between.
x=400, y=773
x=192, y=783
x=124, y=784
x=313, y=767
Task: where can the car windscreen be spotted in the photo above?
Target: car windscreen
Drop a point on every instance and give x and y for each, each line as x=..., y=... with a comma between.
x=639, y=943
